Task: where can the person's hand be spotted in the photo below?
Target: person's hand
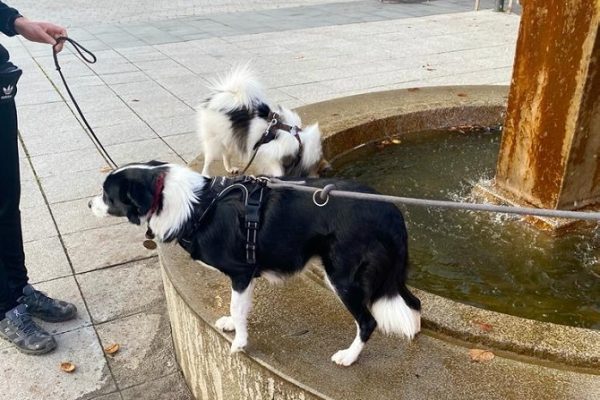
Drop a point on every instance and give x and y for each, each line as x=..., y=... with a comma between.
x=41, y=32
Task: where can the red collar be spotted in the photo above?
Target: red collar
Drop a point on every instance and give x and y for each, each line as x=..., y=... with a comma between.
x=156, y=197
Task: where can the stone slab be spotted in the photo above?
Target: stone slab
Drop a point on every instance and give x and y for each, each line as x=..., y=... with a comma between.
x=166, y=388
x=123, y=290
x=34, y=377
x=146, y=349
x=102, y=247
x=46, y=259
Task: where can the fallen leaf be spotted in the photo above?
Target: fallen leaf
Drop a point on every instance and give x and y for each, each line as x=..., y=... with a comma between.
x=396, y=141
x=67, y=367
x=112, y=349
x=105, y=169
x=430, y=69
x=483, y=326
x=135, y=100
x=478, y=355
x=461, y=94
x=413, y=89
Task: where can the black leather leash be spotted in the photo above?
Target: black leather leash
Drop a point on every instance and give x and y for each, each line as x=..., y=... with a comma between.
x=89, y=58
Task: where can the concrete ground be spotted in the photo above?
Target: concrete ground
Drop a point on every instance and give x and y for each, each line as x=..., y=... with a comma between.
x=154, y=60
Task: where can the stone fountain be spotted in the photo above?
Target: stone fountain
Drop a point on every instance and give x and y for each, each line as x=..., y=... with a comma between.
x=548, y=158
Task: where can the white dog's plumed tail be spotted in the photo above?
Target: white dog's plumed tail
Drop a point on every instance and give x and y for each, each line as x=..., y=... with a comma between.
x=394, y=316
x=239, y=88
x=311, y=140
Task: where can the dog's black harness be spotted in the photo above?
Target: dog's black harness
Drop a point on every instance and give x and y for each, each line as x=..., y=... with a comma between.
x=270, y=134
x=252, y=190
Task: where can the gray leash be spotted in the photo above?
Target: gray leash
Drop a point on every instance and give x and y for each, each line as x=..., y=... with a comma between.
x=321, y=198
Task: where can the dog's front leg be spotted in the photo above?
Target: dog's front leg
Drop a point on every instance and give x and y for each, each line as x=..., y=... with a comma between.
x=241, y=304
x=227, y=164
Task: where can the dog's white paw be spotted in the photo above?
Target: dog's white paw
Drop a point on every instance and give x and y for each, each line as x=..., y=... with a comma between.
x=234, y=171
x=225, y=324
x=238, y=345
x=344, y=357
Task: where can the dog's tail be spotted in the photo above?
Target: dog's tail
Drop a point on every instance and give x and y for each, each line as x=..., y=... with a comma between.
x=239, y=88
x=312, y=148
x=397, y=310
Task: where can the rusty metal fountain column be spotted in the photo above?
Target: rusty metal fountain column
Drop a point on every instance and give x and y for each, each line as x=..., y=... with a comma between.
x=550, y=151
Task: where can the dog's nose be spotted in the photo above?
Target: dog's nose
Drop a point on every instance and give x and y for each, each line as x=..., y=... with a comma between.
x=90, y=204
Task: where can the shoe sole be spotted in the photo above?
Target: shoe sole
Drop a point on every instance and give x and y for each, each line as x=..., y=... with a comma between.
x=45, y=350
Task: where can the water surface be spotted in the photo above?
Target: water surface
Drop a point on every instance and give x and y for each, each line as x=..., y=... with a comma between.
x=493, y=261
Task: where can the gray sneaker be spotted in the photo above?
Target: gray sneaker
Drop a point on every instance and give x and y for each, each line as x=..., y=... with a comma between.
x=18, y=328
x=45, y=308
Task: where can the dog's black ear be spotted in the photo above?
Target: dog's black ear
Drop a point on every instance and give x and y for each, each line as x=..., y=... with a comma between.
x=141, y=201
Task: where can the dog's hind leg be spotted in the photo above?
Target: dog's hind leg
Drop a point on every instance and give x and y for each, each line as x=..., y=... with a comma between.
x=352, y=295
x=208, y=158
x=241, y=304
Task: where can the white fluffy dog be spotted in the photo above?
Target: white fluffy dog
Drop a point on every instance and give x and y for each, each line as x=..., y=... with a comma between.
x=236, y=116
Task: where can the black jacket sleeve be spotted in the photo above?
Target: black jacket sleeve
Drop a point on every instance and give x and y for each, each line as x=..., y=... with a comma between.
x=7, y=19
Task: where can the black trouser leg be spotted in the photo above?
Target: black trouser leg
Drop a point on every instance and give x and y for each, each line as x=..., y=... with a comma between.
x=13, y=274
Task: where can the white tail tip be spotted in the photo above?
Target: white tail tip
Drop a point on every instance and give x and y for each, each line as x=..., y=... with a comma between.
x=394, y=316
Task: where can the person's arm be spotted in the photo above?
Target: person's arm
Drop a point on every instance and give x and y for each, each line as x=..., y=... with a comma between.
x=8, y=16
x=12, y=23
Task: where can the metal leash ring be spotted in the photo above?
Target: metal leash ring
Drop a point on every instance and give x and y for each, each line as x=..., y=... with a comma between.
x=323, y=195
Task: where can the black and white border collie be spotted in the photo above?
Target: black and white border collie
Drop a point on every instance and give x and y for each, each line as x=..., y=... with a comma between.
x=234, y=118
x=363, y=246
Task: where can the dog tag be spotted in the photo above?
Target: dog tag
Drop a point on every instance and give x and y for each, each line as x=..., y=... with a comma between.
x=149, y=234
x=149, y=244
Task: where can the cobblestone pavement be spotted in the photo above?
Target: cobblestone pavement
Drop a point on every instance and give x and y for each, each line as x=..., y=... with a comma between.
x=154, y=59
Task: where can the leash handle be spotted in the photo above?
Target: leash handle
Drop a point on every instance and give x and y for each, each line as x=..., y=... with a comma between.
x=85, y=54
x=89, y=58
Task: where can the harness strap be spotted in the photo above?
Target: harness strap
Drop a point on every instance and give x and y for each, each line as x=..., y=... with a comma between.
x=252, y=201
x=270, y=134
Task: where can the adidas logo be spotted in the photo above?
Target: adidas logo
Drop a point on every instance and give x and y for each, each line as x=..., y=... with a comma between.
x=8, y=90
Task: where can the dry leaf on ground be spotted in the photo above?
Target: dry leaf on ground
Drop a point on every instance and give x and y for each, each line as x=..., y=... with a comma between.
x=483, y=326
x=105, y=169
x=67, y=367
x=112, y=349
x=479, y=355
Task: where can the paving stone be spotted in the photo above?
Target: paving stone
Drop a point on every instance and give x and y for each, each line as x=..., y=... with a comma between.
x=146, y=348
x=72, y=185
x=35, y=377
x=111, y=396
x=166, y=388
x=58, y=142
x=144, y=150
x=132, y=130
x=174, y=125
x=65, y=289
x=46, y=259
x=187, y=145
x=37, y=223
x=71, y=161
x=102, y=247
x=123, y=290
x=75, y=215
x=31, y=195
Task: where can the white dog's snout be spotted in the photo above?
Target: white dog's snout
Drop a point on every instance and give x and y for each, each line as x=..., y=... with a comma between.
x=99, y=208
